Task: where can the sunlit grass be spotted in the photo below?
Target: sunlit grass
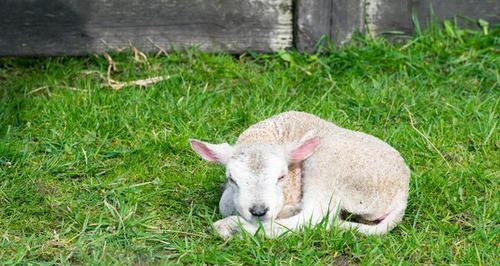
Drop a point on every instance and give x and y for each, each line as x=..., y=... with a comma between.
x=93, y=175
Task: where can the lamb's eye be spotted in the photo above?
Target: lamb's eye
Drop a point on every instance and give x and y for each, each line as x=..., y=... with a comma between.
x=281, y=178
x=231, y=180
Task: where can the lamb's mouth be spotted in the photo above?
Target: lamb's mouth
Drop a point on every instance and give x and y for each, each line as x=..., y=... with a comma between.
x=256, y=220
x=259, y=220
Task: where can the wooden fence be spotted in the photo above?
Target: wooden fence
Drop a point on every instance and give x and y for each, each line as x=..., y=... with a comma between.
x=76, y=27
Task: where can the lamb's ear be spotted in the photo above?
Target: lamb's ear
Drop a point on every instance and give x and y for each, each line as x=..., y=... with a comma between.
x=304, y=149
x=212, y=152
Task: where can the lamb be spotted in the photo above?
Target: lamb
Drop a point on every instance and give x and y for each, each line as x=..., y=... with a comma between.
x=296, y=169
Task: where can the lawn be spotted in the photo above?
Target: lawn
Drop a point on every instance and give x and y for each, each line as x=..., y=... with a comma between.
x=92, y=175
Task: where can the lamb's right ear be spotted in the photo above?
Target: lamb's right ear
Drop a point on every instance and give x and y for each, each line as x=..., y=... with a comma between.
x=212, y=152
x=304, y=149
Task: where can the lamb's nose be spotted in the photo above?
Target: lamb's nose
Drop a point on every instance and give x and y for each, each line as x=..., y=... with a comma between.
x=258, y=210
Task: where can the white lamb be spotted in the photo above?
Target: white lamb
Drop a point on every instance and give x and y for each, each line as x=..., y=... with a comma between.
x=341, y=170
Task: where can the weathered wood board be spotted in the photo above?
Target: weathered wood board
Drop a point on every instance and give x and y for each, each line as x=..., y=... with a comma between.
x=395, y=15
x=338, y=19
x=463, y=10
x=313, y=20
x=388, y=15
x=75, y=27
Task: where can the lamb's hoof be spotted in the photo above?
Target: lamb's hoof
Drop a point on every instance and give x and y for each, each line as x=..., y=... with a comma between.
x=226, y=227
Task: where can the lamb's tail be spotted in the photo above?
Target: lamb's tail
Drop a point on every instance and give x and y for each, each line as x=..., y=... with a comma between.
x=385, y=225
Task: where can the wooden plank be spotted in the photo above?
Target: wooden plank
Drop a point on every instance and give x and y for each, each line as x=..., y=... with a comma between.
x=395, y=15
x=462, y=10
x=335, y=19
x=75, y=27
x=347, y=18
x=388, y=15
x=313, y=20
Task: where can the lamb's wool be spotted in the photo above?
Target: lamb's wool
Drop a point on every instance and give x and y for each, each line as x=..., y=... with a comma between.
x=348, y=172
x=349, y=149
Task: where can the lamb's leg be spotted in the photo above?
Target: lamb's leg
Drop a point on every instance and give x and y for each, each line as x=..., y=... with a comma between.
x=315, y=207
x=387, y=223
x=384, y=226
x=308, y=216
x=312, y=213
x=289, y=210
x=232, y=224
x=226, y=204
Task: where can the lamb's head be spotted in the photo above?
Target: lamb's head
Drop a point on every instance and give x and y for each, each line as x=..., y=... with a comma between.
x=257, y=173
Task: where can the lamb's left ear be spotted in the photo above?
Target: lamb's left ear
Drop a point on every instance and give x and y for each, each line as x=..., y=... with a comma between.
x=303, y=150
x=212, y=152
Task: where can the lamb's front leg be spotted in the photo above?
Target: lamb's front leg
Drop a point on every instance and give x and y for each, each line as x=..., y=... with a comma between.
x=310, y=215
x=278, y=227
x=232, y=225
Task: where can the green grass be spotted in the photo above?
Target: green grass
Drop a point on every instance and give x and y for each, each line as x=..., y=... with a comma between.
x=93, y=175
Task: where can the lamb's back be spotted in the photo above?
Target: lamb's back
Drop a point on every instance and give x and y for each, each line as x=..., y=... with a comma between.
x=283, y=128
